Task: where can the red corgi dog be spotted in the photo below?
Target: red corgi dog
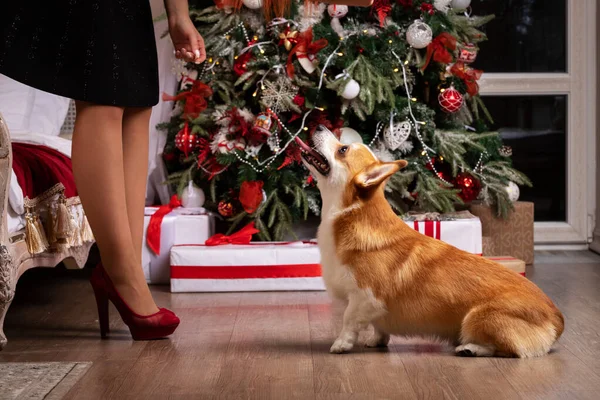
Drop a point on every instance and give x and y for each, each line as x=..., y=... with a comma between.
x=404, y=283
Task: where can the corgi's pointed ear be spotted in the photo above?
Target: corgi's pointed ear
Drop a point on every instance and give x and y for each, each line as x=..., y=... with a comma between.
x=377, y=173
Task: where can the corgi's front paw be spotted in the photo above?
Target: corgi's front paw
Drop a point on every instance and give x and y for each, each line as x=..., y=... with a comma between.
x=341, y=346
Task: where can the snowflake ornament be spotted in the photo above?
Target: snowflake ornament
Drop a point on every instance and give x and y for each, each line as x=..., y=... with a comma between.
x=279, y=95
x=252, y=151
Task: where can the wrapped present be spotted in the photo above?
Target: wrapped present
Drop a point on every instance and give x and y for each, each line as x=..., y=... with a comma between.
x=511, y=263
x=513, y=236
x=460, y=229
x=176, y=226
x=224, y=264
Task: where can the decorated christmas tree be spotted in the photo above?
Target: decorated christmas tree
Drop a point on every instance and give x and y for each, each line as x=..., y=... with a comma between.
x=397, y=77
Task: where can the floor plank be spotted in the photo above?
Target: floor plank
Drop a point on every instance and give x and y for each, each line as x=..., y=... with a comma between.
x=275, y=346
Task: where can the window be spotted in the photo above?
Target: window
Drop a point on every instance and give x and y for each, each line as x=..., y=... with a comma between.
x=539, y=84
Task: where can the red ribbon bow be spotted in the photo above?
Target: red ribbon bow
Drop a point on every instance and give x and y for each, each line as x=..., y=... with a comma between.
x=243, y=236
x=304, y=48
x=195, y=99
x=440, y=49
x=469, y=76
x=154, y=227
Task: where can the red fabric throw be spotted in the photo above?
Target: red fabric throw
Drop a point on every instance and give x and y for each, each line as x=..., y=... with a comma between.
x=243, y=236
x=38, y=168
x=154, y=227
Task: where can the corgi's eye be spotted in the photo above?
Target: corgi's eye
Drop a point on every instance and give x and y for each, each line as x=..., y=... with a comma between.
x=343, y=149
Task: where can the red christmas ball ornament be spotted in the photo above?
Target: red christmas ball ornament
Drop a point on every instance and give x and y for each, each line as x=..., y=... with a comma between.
x=451, y=100
x=469, y=186
x=467, y=53
x=240, y=65
x=225, y=208
x=186, y=141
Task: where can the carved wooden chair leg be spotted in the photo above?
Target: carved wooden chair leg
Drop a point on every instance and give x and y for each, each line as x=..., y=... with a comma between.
x=7, y=289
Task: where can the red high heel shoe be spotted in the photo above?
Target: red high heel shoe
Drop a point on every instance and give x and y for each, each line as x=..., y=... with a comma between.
x=142, y=327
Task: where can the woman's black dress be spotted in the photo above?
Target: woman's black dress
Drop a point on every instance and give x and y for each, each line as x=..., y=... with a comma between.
x=100, y=51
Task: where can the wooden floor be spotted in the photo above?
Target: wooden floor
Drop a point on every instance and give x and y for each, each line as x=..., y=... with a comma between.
x=275, y=346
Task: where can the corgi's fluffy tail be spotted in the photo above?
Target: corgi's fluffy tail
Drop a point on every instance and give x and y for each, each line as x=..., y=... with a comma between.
x=502, y=330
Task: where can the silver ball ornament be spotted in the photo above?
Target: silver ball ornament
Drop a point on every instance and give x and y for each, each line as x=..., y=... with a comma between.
x=192, y=196
x=351, y=90
x=419, y=34
x=337, y=10
x=461, y=4
x=513, y=191
x=349, y=136
x=253, y=4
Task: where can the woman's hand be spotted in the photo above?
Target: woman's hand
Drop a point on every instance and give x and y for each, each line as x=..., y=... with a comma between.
x=188, y=43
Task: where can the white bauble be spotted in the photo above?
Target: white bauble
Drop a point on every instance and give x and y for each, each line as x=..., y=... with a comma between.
x=461, y=4
x=513, y=191
x=349, y=136
x=396, y=135
x=337, y=11
x=192, y=196
x=351, y=90
x=419, y=34
x=253, y=4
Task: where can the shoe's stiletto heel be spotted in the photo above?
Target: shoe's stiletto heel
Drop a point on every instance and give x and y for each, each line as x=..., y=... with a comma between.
x=142, y=327
x=102, y=303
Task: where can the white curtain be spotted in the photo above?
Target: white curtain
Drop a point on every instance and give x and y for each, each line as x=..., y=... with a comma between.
x=156, y=190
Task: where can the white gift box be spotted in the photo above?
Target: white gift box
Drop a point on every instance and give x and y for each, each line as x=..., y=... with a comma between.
x=180, y=226
x=268, y=266
x=463, y=233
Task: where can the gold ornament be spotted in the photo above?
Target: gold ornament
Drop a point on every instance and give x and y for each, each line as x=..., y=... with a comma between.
x=288, y=38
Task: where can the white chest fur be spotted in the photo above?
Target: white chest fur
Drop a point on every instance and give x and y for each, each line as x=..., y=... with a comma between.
x=338, y=279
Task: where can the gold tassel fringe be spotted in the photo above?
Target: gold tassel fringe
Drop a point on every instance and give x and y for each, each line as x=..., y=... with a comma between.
x=75, y=232
x=36, y=241
x=86, y=230
x=63, y=222
x=50, y=227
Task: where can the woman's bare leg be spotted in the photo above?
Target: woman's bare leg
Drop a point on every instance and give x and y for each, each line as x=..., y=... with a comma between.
x=98, y=168
x=136, y=124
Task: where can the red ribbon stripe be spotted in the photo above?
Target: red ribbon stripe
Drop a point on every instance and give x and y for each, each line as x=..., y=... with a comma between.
x=246, y=271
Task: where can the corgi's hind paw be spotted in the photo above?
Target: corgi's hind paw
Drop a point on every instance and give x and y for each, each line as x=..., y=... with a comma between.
x=474, y=350
x=341, y=346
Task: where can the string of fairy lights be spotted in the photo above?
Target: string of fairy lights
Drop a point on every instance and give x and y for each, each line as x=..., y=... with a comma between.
x=261, y=166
